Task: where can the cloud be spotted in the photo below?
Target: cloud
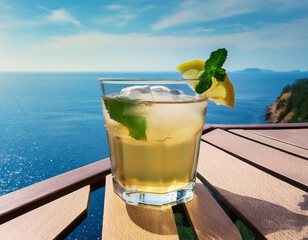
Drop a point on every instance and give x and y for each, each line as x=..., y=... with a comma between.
x=96, y=51
x=193, y=11
x=203, y=11
x=202, y=30
x=117, y=20
x=283, y=35
x=11, y=22
x=5, y=6
x=60, y=15
x=115, y=7
x=121, y=15
x=279, y=35
x=120, y=18
x=287, y=5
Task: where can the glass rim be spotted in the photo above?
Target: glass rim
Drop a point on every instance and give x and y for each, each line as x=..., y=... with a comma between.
x=146, y=80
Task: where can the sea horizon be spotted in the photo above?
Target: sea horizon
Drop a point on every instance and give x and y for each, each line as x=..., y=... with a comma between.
x=252, y=69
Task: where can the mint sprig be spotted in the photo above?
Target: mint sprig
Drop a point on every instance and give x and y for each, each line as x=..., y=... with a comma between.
x=212, y=68
x=136, y=125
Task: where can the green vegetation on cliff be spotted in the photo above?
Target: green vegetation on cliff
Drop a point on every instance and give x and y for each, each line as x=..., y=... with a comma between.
x=297, y=103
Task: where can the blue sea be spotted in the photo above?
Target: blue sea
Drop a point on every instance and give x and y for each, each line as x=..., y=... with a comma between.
x=51, y=123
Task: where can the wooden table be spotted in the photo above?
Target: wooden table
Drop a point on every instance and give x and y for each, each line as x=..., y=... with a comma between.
x=257, y=173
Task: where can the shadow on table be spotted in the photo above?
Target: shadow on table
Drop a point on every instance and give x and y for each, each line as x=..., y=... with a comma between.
x=154, y=222
x=269, y=217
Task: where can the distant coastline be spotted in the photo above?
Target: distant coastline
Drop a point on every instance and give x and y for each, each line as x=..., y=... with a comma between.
x=256, y=70
x=259, y=70
x=246, y=70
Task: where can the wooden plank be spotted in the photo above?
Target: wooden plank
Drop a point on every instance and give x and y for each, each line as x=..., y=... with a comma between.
x=272, y=142
x=207, y=128
x=260, y=126
x=208, y=218
x=275, y=208
x=49, y=220
x=297, y=137
x=31, y=197
x=122, y=221
x=287, y=167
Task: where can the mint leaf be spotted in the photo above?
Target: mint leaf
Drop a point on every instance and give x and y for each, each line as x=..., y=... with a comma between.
x=220, y=74
x=136, y=124
x=212, y=68
x=203, y=85
x=218, y=57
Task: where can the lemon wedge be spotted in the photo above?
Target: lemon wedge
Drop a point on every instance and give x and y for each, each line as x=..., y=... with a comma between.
x=222, y=93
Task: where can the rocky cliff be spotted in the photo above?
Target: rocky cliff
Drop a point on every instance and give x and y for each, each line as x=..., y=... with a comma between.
x=273, y=111
x=292, y=105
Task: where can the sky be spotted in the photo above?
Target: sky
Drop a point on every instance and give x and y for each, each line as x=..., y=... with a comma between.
x=157, y=35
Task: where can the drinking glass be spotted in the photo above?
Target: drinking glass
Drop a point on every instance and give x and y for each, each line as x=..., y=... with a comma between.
x=153, y=129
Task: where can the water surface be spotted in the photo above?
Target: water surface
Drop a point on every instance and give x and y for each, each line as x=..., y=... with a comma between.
x=51, y=123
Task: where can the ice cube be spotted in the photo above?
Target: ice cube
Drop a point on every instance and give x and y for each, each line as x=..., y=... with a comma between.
x=176, y=92
x=137, y=93
x=160, y=89
x=162, y=93
x=154, y=93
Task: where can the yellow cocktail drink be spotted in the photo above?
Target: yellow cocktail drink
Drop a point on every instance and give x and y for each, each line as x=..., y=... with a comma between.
x=153, y=129
x=166, y=160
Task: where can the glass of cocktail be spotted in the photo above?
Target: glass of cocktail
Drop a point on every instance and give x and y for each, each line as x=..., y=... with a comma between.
x=153, y=129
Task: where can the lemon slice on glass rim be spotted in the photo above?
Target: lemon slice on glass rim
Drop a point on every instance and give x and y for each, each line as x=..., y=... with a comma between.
x=222, y=93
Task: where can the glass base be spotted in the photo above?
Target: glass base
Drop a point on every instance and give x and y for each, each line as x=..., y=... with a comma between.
x=154, y=200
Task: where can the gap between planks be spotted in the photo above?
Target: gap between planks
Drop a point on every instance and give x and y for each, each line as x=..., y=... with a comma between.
x=276, y=209
x=279, y=164
x=295, y=137
x=273, y=143
x=208, y=218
